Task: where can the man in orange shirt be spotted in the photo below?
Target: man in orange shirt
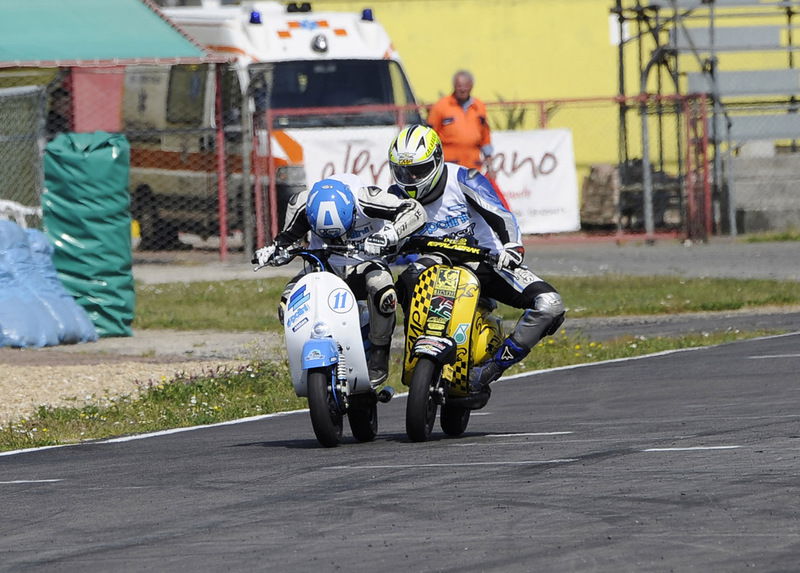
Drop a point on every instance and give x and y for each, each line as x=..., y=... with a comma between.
x=460, y=121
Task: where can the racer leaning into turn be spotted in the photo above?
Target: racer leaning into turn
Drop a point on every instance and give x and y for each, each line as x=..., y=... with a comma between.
x=460, y=202
x=343, y=210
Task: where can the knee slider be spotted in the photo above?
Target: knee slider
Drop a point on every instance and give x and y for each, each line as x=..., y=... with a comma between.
x=549, y=304
x=380, y=289
x=385, y=300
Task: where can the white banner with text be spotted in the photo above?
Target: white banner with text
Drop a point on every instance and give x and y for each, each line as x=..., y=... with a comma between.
x=534, y=170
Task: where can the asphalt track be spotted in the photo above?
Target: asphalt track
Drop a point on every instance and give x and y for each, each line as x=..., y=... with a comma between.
x=685, y=461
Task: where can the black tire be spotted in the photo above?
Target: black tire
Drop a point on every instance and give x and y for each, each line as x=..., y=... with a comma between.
x=326, y=419
x=362, y=414
x=420, y=406
x=156, y=233
x=454, y=419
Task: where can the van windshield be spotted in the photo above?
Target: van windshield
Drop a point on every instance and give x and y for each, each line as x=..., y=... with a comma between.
x=339, y=83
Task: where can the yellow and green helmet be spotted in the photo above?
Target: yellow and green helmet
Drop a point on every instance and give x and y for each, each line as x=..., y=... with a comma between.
x=416, y=160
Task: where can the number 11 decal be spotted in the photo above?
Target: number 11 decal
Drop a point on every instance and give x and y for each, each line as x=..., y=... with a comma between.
x=340, y=300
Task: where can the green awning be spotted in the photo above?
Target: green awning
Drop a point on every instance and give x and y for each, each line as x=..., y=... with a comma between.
x=64, y=33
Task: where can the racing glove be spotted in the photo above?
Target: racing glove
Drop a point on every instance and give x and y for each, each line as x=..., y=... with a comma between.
x=376, y=243
x=270, y=255
x=511, y=256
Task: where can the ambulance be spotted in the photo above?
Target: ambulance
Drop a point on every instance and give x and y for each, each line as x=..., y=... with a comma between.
x=283, y=57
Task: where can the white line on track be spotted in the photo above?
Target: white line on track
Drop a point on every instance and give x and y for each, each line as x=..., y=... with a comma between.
x=612, y=361
x=479, y=444
x=633, y=358
x=795, y=355
x=526, y=434
x=190, y=428
x=160, y=433
x=691, y=449
x=16, y=481
x=458, y=464
x=14, y=452
x=265, y=416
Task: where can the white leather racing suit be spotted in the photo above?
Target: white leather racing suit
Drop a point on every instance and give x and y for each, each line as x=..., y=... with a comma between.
x=464, y=204
x=371, y=280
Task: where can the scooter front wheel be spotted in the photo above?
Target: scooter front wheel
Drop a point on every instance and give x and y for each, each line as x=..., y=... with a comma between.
x=421, y=406
x=326, y=414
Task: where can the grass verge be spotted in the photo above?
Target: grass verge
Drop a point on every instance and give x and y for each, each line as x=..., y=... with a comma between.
x=265, y=387
x=767, y=237
x=251, y=305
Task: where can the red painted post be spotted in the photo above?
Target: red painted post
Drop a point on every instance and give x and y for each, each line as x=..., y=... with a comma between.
x=706, y=182
x=257, y=191
x=222, y=189
x=689, y=181
x=273, y=192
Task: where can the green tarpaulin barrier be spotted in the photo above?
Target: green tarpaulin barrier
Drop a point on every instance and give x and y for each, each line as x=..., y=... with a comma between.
x=65, y=32
x=86, y=214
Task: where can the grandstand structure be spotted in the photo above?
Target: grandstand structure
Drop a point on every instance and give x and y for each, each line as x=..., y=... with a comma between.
x=743, y=54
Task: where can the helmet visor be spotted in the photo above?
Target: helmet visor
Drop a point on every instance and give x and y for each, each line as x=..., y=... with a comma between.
x=412, y=174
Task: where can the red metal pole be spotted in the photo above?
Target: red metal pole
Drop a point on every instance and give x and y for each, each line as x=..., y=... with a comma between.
x=690, y=176
x=222, y=189
x=273, y=192
x=257, y=191
x=706, y=182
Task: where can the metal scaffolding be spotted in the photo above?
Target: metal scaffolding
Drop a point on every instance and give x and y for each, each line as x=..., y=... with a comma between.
x=667, y=36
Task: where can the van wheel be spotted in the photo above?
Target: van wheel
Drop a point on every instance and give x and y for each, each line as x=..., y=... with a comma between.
x=156, y=233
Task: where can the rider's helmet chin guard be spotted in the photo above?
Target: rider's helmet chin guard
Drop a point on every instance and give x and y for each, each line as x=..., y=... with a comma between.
x=330, y=209
x=416, y=160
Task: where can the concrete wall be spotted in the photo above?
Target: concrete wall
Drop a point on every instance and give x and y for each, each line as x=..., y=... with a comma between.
x=767, y=193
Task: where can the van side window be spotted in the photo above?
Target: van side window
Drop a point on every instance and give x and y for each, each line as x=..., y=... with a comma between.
x=402, y=94
x=231, y=98
x=187, y=88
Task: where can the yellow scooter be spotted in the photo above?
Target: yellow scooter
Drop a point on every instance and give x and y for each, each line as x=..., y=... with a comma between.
x=449, y=329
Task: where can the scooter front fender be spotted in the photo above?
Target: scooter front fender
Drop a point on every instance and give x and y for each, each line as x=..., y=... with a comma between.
x=441, y=349
x=319, y=353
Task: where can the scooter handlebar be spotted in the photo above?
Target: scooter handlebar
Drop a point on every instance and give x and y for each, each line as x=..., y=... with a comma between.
x=455, y=250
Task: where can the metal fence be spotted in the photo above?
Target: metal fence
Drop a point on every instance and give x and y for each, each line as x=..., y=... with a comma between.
x=212, y=168
x=22, y=121
x=609, y=136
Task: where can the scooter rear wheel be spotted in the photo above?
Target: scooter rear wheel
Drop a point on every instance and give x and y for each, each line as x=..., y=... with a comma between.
x=420, y=406
x=362, y=413
x=454, y=419
x=326, y=416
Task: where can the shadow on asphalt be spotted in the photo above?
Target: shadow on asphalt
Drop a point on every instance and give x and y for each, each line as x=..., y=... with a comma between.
x=311, y=443
x=284, y=444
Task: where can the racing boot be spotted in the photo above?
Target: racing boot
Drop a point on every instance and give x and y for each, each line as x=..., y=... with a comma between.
x=378, y=365
x=487, y=372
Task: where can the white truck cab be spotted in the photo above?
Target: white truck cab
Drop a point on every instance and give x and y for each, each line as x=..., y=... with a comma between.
x=284, y=58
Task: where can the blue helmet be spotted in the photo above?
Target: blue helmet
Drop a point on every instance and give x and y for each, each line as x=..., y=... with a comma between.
x=330, y=209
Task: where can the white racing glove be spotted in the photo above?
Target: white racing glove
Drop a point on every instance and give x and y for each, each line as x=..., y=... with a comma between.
x=511, y=256
x=386, y=237
x=270, y=255
x=263, y=255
